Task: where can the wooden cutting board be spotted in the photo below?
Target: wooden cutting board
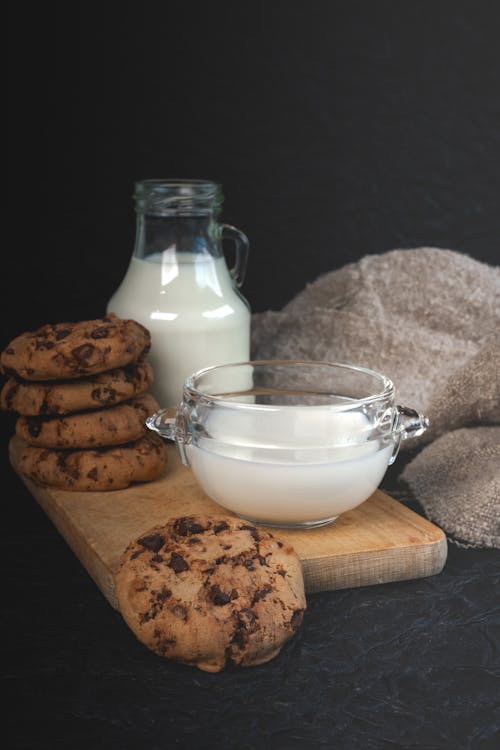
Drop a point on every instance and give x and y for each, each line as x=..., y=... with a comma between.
x=377, y=542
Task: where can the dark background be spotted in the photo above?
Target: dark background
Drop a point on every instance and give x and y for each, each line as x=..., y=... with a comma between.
x=335, y=128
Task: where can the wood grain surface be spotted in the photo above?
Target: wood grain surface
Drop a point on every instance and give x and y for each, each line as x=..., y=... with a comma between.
x=377, y=542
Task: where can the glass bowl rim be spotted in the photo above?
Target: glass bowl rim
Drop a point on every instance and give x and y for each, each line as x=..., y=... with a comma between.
x=387, y=392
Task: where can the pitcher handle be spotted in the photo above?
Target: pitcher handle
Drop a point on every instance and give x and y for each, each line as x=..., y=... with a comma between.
x=241, y=252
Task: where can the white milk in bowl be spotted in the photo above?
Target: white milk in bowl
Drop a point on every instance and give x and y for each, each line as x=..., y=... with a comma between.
x=292, y=467
x=196, y=316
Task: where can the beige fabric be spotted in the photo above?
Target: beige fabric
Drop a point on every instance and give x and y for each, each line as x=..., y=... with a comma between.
x=457, y=481
x=427, y=318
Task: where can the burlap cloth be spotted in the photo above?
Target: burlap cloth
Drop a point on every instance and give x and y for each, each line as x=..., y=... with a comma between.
x=429, y=319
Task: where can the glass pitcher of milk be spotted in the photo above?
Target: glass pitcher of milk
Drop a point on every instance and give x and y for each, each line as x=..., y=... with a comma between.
x=179, y=286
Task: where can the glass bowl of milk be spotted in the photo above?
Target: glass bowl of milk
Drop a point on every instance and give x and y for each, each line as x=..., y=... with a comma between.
x=291, y=444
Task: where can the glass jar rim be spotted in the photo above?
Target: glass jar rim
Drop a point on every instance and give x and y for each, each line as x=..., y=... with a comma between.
x=178, y=196
x=191, y=385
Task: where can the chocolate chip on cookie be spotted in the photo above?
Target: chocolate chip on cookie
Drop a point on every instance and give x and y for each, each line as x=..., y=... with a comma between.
x=211, y=592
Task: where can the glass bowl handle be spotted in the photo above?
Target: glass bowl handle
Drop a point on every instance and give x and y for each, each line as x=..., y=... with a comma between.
x=163, y=424
x=171, y=428
x=407, y=423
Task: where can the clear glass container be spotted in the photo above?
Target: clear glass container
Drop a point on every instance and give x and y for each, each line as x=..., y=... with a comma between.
x=179, y=286
x=289, y=443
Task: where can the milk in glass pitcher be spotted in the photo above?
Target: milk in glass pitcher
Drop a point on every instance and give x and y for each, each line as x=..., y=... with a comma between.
x=178, y=284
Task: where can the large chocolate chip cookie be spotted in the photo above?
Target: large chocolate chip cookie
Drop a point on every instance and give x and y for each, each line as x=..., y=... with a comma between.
x=90, y=429
x=62, y=397
x=211, y=592
x=74, y=350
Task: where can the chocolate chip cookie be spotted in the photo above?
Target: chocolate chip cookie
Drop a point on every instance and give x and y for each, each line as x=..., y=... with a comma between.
x=63, y=397
x=211, y=592
x=75, y=350
x=90, y=429
x=95, y=470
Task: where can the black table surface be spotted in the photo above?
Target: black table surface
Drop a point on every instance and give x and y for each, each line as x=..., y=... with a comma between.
x=409, y=664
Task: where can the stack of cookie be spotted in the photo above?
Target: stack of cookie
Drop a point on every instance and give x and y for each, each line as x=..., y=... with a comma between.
x=81, y=393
